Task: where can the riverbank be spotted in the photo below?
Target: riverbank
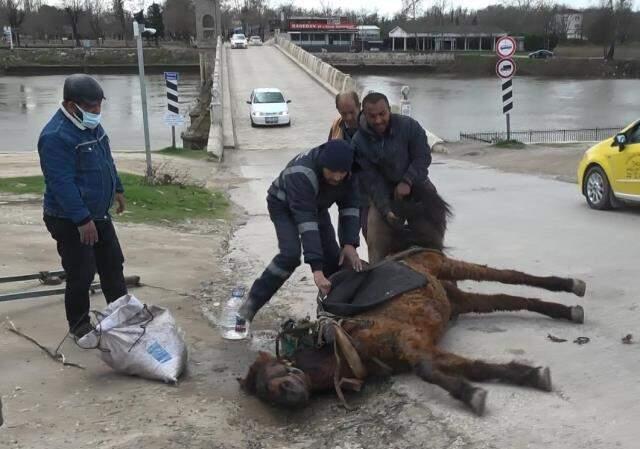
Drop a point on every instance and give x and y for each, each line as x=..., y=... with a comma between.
x=483, y=65
x=557, y=161
x=48, y=61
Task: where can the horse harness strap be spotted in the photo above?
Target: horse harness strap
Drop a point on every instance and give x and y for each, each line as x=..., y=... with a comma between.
x=343, y=348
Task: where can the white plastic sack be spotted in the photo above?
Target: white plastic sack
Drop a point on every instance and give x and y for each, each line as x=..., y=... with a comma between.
x=139, y=339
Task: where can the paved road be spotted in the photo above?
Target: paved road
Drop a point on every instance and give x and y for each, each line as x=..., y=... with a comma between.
x=312, y=109
x=507, y=220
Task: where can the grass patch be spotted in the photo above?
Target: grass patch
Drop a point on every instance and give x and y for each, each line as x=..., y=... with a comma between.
x=22, y=185
x=146, y=203
x=512, y=144
x=181, y=152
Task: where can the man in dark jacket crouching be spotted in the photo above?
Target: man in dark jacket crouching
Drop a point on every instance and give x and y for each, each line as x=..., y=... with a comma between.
x=298, y=203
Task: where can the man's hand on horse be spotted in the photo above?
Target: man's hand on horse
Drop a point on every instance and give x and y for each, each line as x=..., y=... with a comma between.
x=394, y=221
x=323, y=284
x=350, y=256
x=402, y=189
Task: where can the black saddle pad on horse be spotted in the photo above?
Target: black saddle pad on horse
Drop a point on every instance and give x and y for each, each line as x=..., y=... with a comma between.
x=353, y=293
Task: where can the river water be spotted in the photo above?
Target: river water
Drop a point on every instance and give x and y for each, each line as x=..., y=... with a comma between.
x=448, y=106
x=27, y=103
x=445, y=106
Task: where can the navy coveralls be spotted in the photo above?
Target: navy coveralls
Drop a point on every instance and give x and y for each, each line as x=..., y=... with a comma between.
x=298, y=203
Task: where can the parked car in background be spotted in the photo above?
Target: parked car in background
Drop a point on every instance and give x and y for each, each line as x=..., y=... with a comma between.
x=239, y=41
x=255, y=40
x=541, y=54
x=268, y=107
x=610, y=170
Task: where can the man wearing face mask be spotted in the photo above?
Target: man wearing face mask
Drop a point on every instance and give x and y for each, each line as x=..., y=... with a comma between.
x=81, y=184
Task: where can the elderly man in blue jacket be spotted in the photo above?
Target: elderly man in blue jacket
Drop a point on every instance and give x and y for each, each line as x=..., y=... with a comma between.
x=298, y=202
x=394, y=157
x=81, y=184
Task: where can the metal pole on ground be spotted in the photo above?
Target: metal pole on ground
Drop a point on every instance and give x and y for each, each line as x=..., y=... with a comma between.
x=173, y=137
x=508, y=127
x=138, y=29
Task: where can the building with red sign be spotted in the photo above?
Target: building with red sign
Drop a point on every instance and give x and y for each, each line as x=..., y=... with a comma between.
x=314, y=33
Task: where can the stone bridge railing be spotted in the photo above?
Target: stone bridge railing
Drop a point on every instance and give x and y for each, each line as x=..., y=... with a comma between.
x=336, y=81
x=332, y=77
x=215, y=146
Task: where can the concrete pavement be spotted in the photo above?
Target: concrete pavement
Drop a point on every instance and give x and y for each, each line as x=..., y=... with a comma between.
x=505, y=220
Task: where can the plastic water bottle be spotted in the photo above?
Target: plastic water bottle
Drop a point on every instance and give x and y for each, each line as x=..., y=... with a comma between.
x=232, y=326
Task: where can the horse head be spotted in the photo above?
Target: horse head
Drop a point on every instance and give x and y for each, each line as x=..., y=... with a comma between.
x=275, y=381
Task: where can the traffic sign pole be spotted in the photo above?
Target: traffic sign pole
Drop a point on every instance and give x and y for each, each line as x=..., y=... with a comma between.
x=506, y=70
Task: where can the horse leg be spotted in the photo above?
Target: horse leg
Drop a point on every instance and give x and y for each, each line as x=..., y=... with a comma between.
x=455, y=385
x=456, y=270
x=467, y=302
x=480, y=371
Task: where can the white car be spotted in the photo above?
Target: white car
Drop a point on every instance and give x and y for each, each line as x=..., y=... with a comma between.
x=268, y=107
x=239, y=41
x=255, y=40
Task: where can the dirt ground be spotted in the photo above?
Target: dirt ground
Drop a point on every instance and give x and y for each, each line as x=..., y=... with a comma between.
x=186, y=269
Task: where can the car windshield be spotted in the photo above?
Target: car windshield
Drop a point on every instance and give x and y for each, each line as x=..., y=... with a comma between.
x=238, y=36
x=255, y=38
x=268, y=97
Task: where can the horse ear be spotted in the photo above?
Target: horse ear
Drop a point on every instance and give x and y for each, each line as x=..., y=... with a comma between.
x=264, y=357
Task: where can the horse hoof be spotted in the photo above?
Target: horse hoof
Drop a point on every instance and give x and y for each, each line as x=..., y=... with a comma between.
x=478, y=400
x=579, y=287
x=577, y=314
x=543, y=382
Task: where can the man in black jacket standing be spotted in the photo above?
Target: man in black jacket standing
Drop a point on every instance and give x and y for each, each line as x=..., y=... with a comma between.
x=298, y=203
x=394, y=156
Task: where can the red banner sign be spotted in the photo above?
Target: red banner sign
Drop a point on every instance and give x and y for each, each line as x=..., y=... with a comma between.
x=321, y=26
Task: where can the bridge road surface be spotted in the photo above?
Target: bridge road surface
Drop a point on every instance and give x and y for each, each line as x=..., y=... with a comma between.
x=505, y=220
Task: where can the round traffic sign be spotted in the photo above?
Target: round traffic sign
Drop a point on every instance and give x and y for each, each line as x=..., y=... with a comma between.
x=506, y=46
x=506, y=68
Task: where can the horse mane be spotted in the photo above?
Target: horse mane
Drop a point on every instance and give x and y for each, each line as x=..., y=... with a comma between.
x=425, y=202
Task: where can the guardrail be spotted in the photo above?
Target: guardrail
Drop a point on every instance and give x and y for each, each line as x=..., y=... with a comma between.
x=338, y=80
x=215, y=146
x=544, y=136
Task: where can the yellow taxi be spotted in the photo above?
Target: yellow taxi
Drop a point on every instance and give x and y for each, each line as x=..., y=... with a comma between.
x=609, y=171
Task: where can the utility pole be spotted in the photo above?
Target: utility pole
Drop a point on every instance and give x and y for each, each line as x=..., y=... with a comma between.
x=138, y=30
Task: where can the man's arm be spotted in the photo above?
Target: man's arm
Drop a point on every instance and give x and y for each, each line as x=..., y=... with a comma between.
x=372, y=182
x=419, y=154
x=349, y=216
x=301, y=195
x=58, y=163
x=119, y=186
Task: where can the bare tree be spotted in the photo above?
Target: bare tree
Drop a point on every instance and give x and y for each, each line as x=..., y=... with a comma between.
x=95, y=10
x=119, y=13
x=411, y=8
x=73, y=9
x=16, y=12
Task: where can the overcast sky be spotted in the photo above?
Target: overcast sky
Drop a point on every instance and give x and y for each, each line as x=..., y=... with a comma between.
x=390, y=7
x=384, y=7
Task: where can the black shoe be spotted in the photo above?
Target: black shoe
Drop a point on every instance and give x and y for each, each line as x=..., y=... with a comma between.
x=81, y=329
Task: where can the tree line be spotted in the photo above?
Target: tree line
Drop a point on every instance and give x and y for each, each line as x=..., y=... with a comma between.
x=540, y=21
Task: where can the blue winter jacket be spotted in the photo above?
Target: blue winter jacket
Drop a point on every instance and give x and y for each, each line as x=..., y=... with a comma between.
x=79, y=173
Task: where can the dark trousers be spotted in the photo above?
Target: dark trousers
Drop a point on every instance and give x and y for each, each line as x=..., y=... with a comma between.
x=80, y=263
x=288, y=258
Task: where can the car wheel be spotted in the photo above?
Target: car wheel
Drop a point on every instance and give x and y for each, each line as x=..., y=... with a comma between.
x=253, y=125
x=288, y=123
x=597, y=189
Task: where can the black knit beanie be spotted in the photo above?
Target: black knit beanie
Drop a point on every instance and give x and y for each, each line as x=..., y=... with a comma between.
x=336, y=155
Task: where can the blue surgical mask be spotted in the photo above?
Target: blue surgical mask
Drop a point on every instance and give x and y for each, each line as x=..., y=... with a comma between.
x=89, y=119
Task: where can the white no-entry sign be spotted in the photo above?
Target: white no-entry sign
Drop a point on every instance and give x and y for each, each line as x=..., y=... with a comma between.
x=506, y=46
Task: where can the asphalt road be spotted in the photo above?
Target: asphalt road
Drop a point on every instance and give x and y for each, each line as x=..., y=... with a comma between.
x=507, y=220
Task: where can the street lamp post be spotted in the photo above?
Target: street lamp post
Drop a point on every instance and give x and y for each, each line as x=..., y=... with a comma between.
x=138, y=29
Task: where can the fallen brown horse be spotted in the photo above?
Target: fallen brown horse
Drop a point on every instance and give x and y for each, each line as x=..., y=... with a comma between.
x=403, y=333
